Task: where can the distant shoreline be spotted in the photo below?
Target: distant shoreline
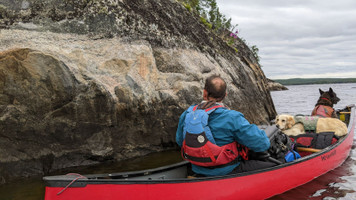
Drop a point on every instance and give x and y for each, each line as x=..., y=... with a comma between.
x=308, y=81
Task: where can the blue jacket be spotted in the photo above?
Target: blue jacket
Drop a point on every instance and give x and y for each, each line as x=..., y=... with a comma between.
x=228, y=126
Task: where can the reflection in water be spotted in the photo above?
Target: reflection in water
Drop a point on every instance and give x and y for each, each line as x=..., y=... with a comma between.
x=33, y=189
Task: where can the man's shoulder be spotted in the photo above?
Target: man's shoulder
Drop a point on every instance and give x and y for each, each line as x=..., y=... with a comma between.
x=229, y=112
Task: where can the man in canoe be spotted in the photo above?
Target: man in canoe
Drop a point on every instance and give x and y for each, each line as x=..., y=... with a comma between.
x=216, y=139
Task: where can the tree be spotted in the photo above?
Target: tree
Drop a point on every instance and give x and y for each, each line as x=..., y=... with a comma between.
x=209, y=11
x=214, y=16
x=255, y=51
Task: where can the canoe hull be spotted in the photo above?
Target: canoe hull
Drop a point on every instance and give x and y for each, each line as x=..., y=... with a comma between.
x=256, y=185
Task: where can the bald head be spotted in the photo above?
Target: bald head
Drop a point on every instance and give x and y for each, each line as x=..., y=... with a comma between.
x=215, y=87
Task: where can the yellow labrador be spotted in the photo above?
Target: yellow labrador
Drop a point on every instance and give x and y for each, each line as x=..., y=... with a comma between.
x=288, y=125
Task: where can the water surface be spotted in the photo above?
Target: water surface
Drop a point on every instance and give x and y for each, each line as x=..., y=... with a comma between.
x=339, y=183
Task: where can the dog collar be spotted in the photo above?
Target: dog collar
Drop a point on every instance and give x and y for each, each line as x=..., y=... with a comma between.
x=326, y=99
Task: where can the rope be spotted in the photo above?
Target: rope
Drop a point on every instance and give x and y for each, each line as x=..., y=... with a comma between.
x=71, y=174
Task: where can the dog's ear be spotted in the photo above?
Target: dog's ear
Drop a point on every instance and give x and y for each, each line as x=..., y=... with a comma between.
x=331, y=90
x=290, y=121
x=321, y=92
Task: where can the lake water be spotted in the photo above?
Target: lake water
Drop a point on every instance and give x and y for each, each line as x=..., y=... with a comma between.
x=337, y=184
x=341, y=182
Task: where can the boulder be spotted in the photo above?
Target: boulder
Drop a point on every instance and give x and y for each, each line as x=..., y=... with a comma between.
x=84, y=82
x=275, y=86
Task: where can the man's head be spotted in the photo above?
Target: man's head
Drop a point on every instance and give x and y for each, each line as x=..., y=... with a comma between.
x=215, y=87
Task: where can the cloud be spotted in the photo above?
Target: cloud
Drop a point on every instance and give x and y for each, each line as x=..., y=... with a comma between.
x=298, y=38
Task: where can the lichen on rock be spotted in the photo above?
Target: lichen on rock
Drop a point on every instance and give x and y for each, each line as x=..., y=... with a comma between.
x=83, y=82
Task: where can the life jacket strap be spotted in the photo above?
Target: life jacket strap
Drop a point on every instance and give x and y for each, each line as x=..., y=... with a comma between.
x=207, y=160
x=211, y=155
x=208, y=109
x=198, y=159
x=206, y=105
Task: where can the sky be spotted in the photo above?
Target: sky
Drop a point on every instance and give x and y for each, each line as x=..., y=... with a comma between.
x=298, y=38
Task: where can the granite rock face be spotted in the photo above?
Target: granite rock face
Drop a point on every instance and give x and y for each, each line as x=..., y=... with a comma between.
x=82, y=82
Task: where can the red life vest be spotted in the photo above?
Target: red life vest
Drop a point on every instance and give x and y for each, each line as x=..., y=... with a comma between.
x=201, y=151
x=323, y=111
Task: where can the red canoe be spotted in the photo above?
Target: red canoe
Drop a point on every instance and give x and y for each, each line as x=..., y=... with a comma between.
x=171, y=182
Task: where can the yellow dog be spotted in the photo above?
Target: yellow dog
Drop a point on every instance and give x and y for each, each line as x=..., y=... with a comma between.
x=288, y=125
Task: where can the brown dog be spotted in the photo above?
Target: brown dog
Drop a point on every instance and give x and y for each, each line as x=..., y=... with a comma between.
x=325, y=103
x=288, y=125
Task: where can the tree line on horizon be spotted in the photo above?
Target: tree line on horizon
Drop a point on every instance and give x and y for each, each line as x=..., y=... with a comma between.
x=306, y=81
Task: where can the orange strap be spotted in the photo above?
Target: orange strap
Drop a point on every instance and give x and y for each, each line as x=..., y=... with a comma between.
x=211, y=155
x=206, y=110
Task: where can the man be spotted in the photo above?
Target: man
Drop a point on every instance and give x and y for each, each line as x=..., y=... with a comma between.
x=216, y=147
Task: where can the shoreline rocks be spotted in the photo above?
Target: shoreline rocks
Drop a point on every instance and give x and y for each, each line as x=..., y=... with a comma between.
x=275, y=86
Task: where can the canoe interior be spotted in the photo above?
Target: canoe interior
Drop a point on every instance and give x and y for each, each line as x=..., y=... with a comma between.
x=171, y=172
x=180, y=172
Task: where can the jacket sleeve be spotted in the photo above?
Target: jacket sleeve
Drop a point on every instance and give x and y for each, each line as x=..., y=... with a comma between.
x=179, y=133
x=250, y=135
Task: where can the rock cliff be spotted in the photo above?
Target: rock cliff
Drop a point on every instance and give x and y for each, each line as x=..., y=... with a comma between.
x=82, y=82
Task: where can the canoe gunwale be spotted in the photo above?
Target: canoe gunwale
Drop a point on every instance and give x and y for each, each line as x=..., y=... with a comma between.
x=91, y=179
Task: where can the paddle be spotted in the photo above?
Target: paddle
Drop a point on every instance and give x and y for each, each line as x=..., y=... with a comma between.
x=266, y=156
x=308, y=149
x=274, y=160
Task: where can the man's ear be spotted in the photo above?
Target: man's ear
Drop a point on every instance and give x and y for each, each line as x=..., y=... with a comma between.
x=205, y=94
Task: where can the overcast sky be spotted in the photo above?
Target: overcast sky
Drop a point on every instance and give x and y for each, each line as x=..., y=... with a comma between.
x=298, y=38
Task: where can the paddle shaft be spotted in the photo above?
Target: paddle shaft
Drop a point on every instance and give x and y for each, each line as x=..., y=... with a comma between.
x=308, y=149
x=274, y=160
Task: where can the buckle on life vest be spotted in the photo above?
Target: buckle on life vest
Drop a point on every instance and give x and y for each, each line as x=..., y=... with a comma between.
x=242, y=151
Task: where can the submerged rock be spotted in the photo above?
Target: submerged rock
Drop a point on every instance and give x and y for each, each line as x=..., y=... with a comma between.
x=82, y=82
